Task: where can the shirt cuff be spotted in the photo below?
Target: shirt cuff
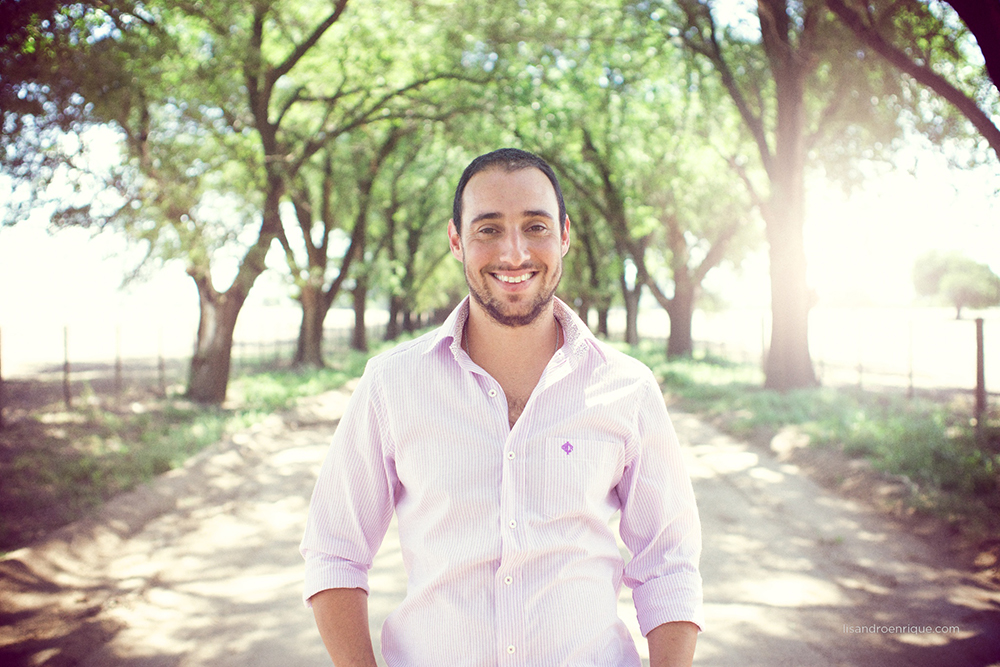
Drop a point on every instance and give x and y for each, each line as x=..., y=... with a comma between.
x=669, y=599
x=324, y=572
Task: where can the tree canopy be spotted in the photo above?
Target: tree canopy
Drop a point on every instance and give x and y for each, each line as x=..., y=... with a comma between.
x=957, y=279
x=322, y=139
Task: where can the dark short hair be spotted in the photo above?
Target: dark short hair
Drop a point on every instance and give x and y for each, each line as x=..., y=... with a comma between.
x=508, y=159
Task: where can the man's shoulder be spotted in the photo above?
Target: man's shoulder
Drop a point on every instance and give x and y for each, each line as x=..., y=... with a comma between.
x=407, y=353
x=621, y=363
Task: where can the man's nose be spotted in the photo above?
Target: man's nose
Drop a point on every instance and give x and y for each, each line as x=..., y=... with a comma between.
x=515, y=249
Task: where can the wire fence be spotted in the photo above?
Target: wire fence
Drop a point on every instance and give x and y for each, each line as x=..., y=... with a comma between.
x=909, y=349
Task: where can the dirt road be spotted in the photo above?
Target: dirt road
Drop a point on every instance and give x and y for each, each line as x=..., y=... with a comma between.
x=201, y=568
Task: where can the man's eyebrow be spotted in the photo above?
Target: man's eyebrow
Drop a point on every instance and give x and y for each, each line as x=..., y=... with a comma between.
x=489, y=215
x=529, y=213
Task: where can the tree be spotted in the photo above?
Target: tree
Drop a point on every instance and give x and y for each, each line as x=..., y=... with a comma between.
x=982, y=17
x=223, y=107
x=416, y=204
x=45, y=48
x=805, y=96
x=346, y=181
x=923, y=40
x=960, y=280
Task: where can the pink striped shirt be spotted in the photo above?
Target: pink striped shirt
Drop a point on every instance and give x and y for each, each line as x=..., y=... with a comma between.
x=505, y=531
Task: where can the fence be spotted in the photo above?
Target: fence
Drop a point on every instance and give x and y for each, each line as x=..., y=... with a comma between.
x=252, y=352
x=98, y=370
x=872, y=348
x=905, y=348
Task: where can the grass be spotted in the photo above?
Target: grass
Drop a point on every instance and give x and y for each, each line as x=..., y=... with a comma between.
x=953, y=472
x=56, y=465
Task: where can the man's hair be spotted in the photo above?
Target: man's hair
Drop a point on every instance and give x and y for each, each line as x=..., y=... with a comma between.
x=508, y=159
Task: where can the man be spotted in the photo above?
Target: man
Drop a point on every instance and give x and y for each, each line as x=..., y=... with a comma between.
x=505, y=441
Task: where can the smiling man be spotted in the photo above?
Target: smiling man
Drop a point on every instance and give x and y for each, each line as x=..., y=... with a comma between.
x=505, y=441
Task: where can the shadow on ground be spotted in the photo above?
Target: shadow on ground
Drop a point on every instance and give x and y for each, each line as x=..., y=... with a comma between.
x=202, y=568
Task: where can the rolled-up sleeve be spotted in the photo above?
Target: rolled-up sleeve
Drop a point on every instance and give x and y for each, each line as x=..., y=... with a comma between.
x=352, y=501
x=659, y=521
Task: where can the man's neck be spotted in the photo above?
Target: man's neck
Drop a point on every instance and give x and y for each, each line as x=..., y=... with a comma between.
x=513, y=356
x=487, y=340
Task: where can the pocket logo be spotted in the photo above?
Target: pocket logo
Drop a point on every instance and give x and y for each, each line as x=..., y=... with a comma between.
x=567, y=448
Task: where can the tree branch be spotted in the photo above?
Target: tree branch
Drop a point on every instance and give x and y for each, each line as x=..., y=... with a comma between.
x=711, y=50
x=982, y=18
x=923, y=74
x=296, y=55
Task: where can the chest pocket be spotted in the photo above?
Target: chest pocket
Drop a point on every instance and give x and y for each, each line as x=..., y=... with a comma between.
x=578, y=475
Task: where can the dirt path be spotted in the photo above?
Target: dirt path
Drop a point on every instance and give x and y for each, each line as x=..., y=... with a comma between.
x=202, y=568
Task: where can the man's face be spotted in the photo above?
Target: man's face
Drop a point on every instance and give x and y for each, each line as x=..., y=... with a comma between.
x=511, y=245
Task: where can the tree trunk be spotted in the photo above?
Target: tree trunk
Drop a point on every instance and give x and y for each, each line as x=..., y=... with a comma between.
x=602, y=321
x=681, y=312
x=631, y=297
x=359, y=339
x=583, y=310
x=309, y=351
x=392, y=326
x=789, y=364
x=209, y=375
x=982, y=18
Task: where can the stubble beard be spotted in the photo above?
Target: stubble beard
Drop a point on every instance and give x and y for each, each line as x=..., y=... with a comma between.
x=495, y=308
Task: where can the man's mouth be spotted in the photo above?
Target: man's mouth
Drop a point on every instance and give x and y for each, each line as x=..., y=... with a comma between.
x=513, y=280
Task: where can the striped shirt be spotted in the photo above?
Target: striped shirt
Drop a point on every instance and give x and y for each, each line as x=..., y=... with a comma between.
x=505, y=530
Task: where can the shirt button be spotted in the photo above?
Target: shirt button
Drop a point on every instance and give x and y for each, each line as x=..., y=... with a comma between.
x=508, y=580
x=492, y=393
x=510, y=649
x=512, y=524
x=510, y=455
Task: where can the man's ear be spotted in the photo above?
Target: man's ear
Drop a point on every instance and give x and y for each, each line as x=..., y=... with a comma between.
x=565, y=237
x=455, y=242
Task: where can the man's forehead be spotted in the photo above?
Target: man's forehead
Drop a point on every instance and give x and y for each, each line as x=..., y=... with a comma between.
x=475, y=183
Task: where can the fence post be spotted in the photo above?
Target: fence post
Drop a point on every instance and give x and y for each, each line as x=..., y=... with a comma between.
x=67, y=395
x=161, y=365
x=980, y=375
x=861, y=363
x=118, y=366
x=910, y=390
x=1, y=384
x=763, y=343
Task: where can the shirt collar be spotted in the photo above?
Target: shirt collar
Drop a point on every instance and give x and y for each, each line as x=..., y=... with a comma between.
x=577, y=337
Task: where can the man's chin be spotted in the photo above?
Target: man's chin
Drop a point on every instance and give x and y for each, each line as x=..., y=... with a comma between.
x=518, y=316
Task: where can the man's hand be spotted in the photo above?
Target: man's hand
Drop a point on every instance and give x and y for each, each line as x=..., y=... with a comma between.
x=342, y=618
x=672, y=644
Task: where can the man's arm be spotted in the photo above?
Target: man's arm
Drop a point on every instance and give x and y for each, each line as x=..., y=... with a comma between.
x=672, y=644
x=342, y=618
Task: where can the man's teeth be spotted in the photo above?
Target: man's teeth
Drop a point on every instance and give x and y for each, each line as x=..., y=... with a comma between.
x=513, y=279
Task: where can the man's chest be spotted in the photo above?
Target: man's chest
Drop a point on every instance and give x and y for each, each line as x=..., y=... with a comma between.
x=559, y=459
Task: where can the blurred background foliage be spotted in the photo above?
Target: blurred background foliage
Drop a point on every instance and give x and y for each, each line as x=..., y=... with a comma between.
x=684, y=131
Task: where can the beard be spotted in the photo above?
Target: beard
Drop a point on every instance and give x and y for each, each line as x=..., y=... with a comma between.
x=500, y=311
